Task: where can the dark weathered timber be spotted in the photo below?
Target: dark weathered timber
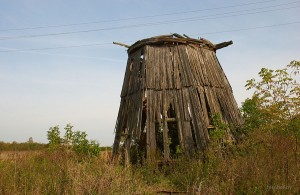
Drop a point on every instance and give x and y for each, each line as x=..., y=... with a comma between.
x=222, y=45
x=177, y=35
x=186, y=36
x=172, y=87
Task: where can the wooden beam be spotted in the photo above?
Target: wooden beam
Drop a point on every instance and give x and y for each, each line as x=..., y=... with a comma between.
x=177, y=35
x=221, y=45
x=121, y=44
x=171, y=119
x=186, y=36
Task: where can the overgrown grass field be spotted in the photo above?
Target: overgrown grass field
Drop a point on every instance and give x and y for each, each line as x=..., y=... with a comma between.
x=264, y=163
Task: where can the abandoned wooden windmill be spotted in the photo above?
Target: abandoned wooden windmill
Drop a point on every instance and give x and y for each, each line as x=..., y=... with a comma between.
x=172, y=87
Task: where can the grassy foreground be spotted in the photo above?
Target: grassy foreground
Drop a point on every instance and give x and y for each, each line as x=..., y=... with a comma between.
x=264, y=163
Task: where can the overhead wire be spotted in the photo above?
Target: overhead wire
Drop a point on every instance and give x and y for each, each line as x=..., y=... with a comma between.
x=137, y=17
x=99, y=44
x=222, y=15
x=245, y=29
x=60, y=47
x=68, y=55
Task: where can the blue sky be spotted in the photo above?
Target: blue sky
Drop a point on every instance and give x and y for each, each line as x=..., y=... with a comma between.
x=81, y=85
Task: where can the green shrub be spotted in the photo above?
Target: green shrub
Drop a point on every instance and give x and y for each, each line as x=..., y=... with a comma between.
x=73, y=140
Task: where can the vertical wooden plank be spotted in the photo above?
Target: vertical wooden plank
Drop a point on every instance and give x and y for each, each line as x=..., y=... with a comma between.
x=118, y=127
x=165, y=126
x=149, y=67
x=160, y=66
x=175, y=64
x=134, y=116
x=203, y=105
x=164, y=75
x=151, y=141
x=198, y=66
x=224, y=107
x=198, y=119
x=216, y=70
x=203, y=109
x=139, y=62
x=131, y=72
x=126, y=130
x=195, y=128
x=148, y=125
x=202, y=67
x=139, y=110
x=163, y=69
x=230, y=107
x=135, y=69
x=141, y=92
x=189, y=65
x=126, y=78
x=215, y=101
x=185, y=70
x=224, y=78
x=194, y=64
x=215, y=78
x=143, y=71
x=179, y=120
x=169, y=68
x=127, y=150
x=182, y=74
x=211, y=78
x=187, y=121
x=146, y=78
x=152, y=129
x=209, y=101
x=155, y=65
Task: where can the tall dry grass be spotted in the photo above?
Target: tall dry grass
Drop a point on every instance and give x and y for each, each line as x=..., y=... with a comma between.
x=264, y=163
x=62, y=172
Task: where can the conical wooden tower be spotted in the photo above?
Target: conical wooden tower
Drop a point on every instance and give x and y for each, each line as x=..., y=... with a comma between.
x=172, y=87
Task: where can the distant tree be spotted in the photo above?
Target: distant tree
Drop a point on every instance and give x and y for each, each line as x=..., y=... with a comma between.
x=69, y=135
x=53, y=136
x=74, y=140
x=30, y=140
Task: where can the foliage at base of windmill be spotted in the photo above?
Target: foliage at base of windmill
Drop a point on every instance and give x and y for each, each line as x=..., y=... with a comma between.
x=72, y=140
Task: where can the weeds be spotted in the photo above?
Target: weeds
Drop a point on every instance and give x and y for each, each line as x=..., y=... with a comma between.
x=265, y=162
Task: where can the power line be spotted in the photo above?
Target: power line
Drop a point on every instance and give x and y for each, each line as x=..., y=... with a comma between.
x=61, y=47
x=100, y=44
x=137, y=17
x=223, y=15
x=245, y=29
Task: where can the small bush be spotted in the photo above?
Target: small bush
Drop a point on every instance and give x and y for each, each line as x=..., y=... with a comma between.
x=76, y=141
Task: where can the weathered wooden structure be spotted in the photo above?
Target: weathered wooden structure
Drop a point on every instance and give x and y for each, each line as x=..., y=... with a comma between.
x=173, y=84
